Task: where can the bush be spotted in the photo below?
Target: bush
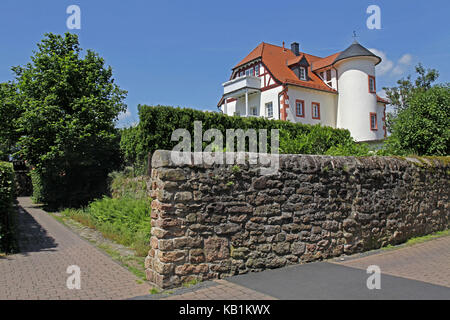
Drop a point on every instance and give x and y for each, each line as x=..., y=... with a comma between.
x=6, y=206
x=319, y=140
x=124, y=220
x=423, y=128
x=158, y=123
x=349, y=148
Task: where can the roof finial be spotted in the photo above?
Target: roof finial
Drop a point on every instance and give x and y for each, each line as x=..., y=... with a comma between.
x=354, y=36
x=283, y=46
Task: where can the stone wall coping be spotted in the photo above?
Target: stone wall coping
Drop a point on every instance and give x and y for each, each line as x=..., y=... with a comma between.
x=164, y=158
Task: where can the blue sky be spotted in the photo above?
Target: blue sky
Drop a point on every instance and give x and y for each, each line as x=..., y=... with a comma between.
x=180, y=52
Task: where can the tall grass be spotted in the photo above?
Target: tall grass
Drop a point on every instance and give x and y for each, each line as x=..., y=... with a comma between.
x=125, y=220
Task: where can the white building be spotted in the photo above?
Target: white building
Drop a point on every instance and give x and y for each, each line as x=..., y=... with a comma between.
x=337, y=91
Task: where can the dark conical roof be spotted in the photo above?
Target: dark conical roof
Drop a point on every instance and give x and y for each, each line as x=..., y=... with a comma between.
x=356, y=50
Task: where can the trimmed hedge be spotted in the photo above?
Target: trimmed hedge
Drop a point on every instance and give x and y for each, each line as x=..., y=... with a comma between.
x=157, y=124
x=6, y=205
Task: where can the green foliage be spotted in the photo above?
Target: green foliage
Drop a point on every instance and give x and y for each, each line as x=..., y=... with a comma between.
x=68, y=106
x=9, y=113
x=318, y=140
x=349, y=148
x=6, y=205
x=126, y=184
x=124, y=220
x=423, y=128
x=157, y=124
x=399, y=96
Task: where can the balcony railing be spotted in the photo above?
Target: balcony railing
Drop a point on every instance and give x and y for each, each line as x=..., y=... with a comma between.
x=245, y=82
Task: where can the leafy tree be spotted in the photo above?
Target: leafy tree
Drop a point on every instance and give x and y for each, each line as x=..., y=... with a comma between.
x=399, y=96
x=69, y=105
x=420, y=121
x=423, y=128
x=9, y=113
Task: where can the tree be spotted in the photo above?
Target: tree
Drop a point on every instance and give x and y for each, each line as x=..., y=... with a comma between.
x=399, y=96
x=69, y=105
x=423, y=128
x=9, y=113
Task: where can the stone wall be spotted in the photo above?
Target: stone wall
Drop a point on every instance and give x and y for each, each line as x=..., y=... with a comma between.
x=216, y=221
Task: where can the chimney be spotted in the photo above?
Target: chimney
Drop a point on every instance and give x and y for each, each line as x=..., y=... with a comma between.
x=295, y=48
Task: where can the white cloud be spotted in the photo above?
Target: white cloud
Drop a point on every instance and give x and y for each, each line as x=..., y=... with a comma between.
x=406, y=59
x=403, y=63
x=124, y=115
x=388, y=66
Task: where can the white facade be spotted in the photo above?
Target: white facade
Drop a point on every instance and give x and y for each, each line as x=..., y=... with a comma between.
x=355, y=102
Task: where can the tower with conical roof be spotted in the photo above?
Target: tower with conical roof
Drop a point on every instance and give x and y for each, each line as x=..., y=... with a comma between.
x=357, y=101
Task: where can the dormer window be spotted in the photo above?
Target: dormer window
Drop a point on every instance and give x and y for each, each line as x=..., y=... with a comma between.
x=329, y=78
x=302, y=73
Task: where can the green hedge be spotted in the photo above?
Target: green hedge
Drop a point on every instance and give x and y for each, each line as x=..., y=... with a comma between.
x=6, y=205
x=157, y=123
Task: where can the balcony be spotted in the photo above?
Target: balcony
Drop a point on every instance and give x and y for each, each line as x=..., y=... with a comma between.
x=240, y=85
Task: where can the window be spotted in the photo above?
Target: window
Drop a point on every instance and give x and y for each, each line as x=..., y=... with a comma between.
x=329, y=78
x=373, y=121
x=372, y=86
x=253, y=111
x=241, y=74
x=269, y=110
x=302, y=74
x=322, y=75
x=315, y=110
x=257, y=70
x=300, y=108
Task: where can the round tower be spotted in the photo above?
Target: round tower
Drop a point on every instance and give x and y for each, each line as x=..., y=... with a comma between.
x=357, y=92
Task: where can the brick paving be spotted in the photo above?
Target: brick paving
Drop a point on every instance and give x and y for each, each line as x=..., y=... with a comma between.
x=47, y=248
x=223, y=290
x=428, y=262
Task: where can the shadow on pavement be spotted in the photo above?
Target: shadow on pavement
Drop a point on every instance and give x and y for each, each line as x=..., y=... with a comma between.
x=31, y=236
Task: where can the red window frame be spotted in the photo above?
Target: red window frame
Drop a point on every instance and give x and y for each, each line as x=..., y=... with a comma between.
x=318, y=110
x=374, y=85
x=303, y=108
x=373, y=114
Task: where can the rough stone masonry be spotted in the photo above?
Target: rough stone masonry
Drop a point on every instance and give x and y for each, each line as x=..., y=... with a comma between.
x=214, y=221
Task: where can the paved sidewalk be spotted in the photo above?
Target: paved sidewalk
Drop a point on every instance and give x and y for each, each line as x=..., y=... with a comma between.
x=47, y=249
x=223, y=290
x=412, y=272
x=428, y=261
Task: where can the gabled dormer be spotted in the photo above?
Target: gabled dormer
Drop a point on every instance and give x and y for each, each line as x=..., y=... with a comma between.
x=300, y=68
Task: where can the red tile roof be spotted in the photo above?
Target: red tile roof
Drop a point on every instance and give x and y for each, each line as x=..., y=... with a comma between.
x=324, y=62
x=380, y=99
x=277, y=60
